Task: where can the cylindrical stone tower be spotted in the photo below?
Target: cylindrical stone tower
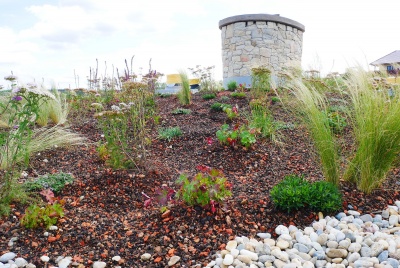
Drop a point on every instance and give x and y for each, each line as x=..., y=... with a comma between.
x=256, y=40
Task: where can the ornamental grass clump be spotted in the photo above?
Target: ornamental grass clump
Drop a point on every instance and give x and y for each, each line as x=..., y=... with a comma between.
x=312, y=106
x=375, y=120
x=184, y=95
x=260, y=79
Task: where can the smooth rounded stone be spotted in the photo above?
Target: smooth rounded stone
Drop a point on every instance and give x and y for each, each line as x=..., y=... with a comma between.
x=318, y=225
x=340, y=215
x=249, y=247
x=30, y=265
x=350, y=236
x=99, y=264
x=286, y=237
x=353, y=227
x=252, y=255
x=385, y=214
x=332, y=244
x=228, y=260
x=340, y=236
x=231, y=245
x=211, y=264
x=337, y=260
x=395, y=254
x=395, y=208
x=316, y=246
x=237, y=263
x=145, y=257
x=293, y=228
x=319, y=255
x=240, y=246
x=393, y=262
x=301, y=247
x=269, y=241
x=281, y=229
x=305, y=240
x=7, y=256
x=354, y=247
x=376, y=249
x=218, y=261
x=363, y=263
x=235, y=252
x=290, y=265
x=343, y=226
x=313, y=237
x=264, y=235
x=116, y=258
x=308, y=264
x=338, y=265
x=266, y=249
x=332, y=222
x=53, y=228
x=282, y=244
x=393, y=220
x=64, y=263
x=344, y=243
x=173, y=260
x=383, y=256
x=353, y=257
x=368, y=241
x=304, y=256
x=336, y=253
x=277, y=253
x=279, y=264
x=45, y=258
x=347, y=219
x=365, y=252
x=266, y=258
x=377, y=218
x=253, y=266
x=21, y=262
x=366, y=217
x=353, y=213
x=308, y=230
x=320, y=263
x=322, y=239
x=244, y=258
x=224, y=252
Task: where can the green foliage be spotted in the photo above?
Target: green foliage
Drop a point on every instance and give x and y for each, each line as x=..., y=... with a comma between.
x=55, y=182
x=231, y=113
x=164, y=95
x=231, y=137
x=184, y=95
x=294, y=193
x=232, y=85
x=36, y=216
x=336, y=121
x=224, y=98
x=324, y=196
x=238, y=95
x=208, y=188
x=275, y=99
x=261, y=77
x=181, y=111
x=291, y=193
x=169, y=133
x=217, y=106
x=209, y=96
x=262, y=120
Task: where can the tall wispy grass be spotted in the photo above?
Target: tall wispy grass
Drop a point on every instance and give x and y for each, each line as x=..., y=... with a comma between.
x=375, y=119
x=312, y=106
x=56, y=110
x=184, y=95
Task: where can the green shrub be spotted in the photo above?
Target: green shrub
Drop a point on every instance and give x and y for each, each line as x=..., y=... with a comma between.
x=209, y=96
x=260, y=77
x=324, y=196
x=169, y=133
x=238, y=95
x=275, y=99
x=231, y=137
x=291, y=193
x=232, y=85
x=224, y=98
x=181, y=111
x=209, y=188
x=55, y=182
x=184, y=95
x=294, y=193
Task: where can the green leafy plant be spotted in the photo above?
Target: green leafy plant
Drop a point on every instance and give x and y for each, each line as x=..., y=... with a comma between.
x=231, y=112
x=231, y=137
x=291, y=193
x=262, y=120
x=208, y=189
x=232, y=85
x=294, y=193
x=169, y=133
x=217, y=106
x=181, y=111
x=275, y=99
x=336, y=121
x=209, y=96
x=238, y=95
x=260, y=77
x=324, y=196
x=55, y=182
x=36, y=216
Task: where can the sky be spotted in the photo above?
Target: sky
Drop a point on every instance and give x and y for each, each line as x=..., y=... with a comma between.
x=57, y=42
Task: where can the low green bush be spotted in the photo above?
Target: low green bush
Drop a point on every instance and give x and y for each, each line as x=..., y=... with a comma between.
x=55, y=182
x=238, y=95
x=169, y=133
x=294, y=193
x=232, y=85
x=209, y=96
x=36, y=216
x=217, y=106
x=181, y=111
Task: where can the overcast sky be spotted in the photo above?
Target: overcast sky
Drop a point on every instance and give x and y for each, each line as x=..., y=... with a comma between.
x=49, y=40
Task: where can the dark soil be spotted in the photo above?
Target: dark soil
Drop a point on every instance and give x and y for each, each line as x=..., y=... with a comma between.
x=105, y=214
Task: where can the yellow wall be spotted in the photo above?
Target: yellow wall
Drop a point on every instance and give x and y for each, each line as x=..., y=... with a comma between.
x=176, y=79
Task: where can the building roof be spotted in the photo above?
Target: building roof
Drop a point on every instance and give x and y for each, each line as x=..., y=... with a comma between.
x=393, y=57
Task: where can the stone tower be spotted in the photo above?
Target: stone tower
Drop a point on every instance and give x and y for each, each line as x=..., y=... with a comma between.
x=255, y=40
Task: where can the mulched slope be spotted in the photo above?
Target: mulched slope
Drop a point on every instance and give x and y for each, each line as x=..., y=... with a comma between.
x=104, y=209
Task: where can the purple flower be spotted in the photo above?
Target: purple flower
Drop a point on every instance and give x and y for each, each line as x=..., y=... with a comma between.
x=16, y=90
x=16, y=127
x=17, y=98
